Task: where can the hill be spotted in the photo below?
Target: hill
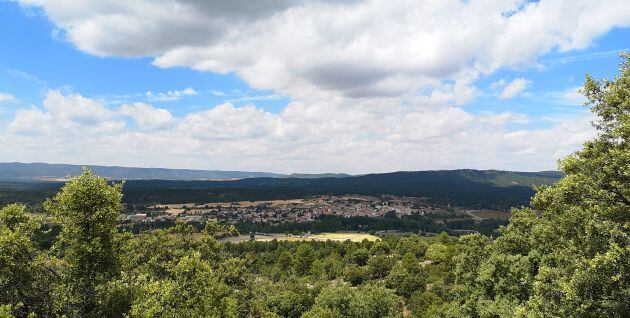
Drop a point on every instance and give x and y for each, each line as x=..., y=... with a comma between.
x=46, y=171
x=468, y=188
x=318, y=175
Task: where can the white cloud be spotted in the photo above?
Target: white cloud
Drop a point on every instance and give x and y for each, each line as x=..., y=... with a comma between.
x=361, y=48
x=365, y=136
x=374, y=85
x=30, y=121
x=147, y=116
x=573, y=96
x=170, y=95
x=514, y=88
x=225, y=122
x=74, y=109
x=6, y=97
x=503, y=118
x=65, y=115
x=570, y=96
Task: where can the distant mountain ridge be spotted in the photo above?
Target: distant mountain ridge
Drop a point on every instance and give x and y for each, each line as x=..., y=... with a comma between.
x=61, y=172
x=56, y=172
x=318, y=175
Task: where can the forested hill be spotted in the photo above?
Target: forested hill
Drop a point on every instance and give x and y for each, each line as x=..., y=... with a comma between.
x=468, y=188
x=472, y=188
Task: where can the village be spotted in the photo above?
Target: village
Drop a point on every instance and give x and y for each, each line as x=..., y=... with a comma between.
x=305, y=210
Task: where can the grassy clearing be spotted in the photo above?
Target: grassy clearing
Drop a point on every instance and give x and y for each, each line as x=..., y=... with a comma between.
x=339, y=236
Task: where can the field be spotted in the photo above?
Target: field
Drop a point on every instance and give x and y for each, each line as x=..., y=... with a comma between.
x=489, y=214
x=339, y=236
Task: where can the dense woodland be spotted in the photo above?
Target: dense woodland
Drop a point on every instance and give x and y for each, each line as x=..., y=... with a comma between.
x=566, y=256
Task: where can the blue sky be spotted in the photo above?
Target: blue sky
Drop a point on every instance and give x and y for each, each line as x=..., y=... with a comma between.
x=35, y=60
x=301, y=90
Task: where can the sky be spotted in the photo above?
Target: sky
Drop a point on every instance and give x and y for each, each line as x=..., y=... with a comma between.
x=285, y=86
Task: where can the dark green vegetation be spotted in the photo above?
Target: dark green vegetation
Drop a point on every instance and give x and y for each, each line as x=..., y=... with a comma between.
x=566, y=256
x=31, y=193
x=411, y=224
x=415, y=224
x=468, y=188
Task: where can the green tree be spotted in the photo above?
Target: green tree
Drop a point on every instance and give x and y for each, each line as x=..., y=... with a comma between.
x=379, y=266
x=189, y=290
x=329, y=268
x=363, y=302
x=360, y=256
x=304, y=257
x=288, y=303
x=25, y=273
x=284, y=261
x=407, y=277
x=584, y=226
x=427, y=304
x=220, y=231
x=570, y=255
x=88, y=209
x=437, y=252
x=380, y=247
x=354, y=274
x=412, y=244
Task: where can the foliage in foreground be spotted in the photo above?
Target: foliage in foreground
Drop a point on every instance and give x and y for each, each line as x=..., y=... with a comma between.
x=569, y=255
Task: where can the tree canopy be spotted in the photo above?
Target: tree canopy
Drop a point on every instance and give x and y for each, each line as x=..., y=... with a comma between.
x=569, y=254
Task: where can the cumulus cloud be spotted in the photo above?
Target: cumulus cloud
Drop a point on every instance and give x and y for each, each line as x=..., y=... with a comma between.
x=170, y=96
x=65, y=114
x=74, y=109
x=513, y=88
x=359, y=48
x=147, y=116
x=369, y=136
x=30, y=121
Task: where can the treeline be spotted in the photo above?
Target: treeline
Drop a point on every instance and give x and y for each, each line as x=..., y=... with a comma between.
x=411, y=223
x=31, y=193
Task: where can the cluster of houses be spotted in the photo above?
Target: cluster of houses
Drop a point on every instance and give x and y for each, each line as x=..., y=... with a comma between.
x=299, y=210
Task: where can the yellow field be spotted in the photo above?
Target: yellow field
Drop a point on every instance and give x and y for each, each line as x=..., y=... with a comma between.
x=490, y=214
x=339, y=237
